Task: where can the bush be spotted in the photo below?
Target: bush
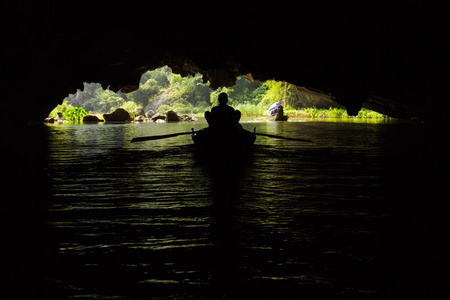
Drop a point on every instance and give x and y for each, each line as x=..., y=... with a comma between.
x=74, y=114
x=130, y=107
x=60, y=107
x=248, y=109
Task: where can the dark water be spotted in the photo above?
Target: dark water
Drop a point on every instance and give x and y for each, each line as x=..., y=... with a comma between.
x=355, y=215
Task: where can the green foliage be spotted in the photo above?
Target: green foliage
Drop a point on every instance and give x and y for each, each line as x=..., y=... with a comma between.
x=74, y=114
x=366, y=113
x=59, y=108
x=130, y=107
x=215, y=95
x=246, y=91
x=184, y=94
x=106, y=100
x=160, y=76
x=249, y=109
x=145, y=92
x=69, y=112
x=274, y=92
x=312, y=112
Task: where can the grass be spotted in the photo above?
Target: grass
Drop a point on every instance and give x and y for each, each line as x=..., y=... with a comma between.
x=250, y=110
x=313, y=112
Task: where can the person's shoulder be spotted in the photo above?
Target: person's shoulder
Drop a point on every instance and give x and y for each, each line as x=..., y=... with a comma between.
x=229, y=108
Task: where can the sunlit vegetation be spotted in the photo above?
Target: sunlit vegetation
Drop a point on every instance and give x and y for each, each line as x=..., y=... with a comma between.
x=68, y=112
x=161, y=90
x=312, y=112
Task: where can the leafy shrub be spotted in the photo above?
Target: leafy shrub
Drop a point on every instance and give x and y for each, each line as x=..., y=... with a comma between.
x=74, y=114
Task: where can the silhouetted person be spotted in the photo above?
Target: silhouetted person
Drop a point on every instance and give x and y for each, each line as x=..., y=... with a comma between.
x=280, y=111
x=223, y=117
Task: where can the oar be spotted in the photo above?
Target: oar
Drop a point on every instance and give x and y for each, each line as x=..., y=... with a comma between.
x=158, y=137
x=283, y=137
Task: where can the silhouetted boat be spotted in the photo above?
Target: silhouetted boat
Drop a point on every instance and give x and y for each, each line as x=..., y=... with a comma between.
x=278, y=118
x=215, y=140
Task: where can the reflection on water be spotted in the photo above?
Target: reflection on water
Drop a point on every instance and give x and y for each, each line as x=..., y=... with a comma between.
x=153, y=221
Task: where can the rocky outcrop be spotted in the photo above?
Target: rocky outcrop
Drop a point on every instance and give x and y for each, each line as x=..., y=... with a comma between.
x=172, y=116
x=139, y=119
x=157, y=117
x=91, y=119
x=187, y=118
x=387, y=107
x=169, y=116
x=149, y=114
x=139, y=111
x=119, y=115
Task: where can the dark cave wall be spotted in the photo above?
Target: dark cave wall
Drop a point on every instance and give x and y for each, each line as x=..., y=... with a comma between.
x=349, y=50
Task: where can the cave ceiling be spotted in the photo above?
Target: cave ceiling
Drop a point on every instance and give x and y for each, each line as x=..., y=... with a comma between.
x=347, y=49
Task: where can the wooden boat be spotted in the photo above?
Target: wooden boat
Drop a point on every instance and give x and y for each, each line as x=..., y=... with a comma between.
x=230, y=141
x=216, y=139
x=223, y=150
x=278, y=118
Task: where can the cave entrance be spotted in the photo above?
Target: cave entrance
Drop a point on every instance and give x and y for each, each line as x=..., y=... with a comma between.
x=162, y=90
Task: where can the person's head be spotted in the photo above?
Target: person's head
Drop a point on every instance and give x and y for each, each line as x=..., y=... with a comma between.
x=223, y=98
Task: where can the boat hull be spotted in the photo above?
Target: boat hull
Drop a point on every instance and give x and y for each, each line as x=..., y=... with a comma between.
x=236, y=141
x=278, y=118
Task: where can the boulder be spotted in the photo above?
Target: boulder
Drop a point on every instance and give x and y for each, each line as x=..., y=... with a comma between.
x=139, y=111
x=172, y=116
x=91, y=119
x=119, y=115
x=158, y=116
x=149, y=114
x=139, y=119
x=187, y=118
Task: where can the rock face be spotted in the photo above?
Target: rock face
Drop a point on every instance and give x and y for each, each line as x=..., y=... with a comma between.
x=139, y=119
x=172, y=116
x=91, y=119
x=119, y=115
x=149, y=114
x=157, y=117
x=339, y=49
x=387, y=107
x=139, y=111
x=187, y=118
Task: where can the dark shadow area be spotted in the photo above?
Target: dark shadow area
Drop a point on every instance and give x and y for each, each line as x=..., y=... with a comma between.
x=26, y=188
x=391, y=51
x=358, y=214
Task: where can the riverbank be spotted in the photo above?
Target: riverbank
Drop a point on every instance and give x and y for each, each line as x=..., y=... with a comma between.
x=311, y=112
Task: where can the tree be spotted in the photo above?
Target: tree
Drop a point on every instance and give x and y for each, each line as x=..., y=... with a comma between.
x=105, y=100
x=74, y=114
x=246, y=91
x=196, y=92
x=146, y=92
x=215, y=95
x=274, y=93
